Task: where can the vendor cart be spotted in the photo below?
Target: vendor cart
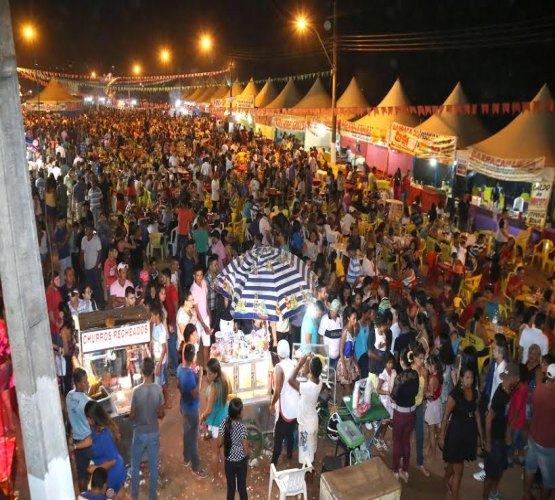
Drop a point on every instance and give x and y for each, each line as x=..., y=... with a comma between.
x=112, y=345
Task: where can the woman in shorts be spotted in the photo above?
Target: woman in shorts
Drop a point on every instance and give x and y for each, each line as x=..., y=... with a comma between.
x=216, y=409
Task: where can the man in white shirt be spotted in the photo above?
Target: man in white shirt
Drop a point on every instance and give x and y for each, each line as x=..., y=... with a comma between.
x=215, y=193
x=331, y=326
x=458, y=249
x=91, y=251
x=265, y=228
x=254, y=188
x=533, y=335
x=284, y=402
x=347, y=221
x=206, y=170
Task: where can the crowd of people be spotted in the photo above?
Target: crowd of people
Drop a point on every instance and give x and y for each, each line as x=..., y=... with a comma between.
x=475, y=379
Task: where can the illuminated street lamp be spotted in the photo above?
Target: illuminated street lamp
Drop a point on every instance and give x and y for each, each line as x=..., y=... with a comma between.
x=303, y=24
x=137, y=69
x=165, y=56
x=205, y=43
x=29, y=33
x=93, y=74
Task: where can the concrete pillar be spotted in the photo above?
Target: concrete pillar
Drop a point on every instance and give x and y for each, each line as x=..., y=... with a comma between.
x=44, y=439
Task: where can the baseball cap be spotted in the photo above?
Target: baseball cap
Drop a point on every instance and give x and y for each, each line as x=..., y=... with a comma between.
x=511, y=370
x=74, y=292
x=335, y=305
x=122, y=265
x=551, y=371
x=283, y=350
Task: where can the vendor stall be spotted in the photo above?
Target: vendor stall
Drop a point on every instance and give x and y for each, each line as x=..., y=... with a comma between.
x=427, y=194
x=112, y=345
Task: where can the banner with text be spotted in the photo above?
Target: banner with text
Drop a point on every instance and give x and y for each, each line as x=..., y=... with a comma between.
x=423, y=144
x=292, y=123
x=110, y=338
x=246, y=102
x=505, y=169
x=539, y=201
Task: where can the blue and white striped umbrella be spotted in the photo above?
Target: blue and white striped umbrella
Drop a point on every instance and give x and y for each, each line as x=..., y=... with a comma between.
x=267, y=283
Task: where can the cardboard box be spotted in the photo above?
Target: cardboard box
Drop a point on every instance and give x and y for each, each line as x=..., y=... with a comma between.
x=371, y=480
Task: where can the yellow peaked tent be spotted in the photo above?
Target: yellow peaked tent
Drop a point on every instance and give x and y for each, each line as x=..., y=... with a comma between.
x=266, y=95
x=352, y=97
x=54, y=97
x=287, y=98
x=316, y=97
x=530, y=135
x=379, y=121
x=250, y=90
x=221, y=92
x=236, y=89
x=467, y=128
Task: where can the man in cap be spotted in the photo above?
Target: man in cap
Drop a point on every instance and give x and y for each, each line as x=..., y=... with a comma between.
x=118, y=287
x=284, y=402
x=497, y=432
x=541, y=439
x=330, y=330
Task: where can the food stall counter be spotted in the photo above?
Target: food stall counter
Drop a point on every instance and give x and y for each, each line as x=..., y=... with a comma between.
x=428, y=195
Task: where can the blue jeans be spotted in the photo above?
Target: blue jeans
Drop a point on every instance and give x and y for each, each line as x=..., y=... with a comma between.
x=151, y=442
x=190, y=439
x=172, y=351
x=419, y=432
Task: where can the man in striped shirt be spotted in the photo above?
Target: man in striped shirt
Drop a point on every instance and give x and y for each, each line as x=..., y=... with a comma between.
x=95, y=200
x=354, y=270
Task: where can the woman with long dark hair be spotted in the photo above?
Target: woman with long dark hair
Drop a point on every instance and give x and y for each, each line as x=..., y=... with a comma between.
x=233, y=438
x=459, y=430
x=105, y=434
x=403, y=396
x=216, y=408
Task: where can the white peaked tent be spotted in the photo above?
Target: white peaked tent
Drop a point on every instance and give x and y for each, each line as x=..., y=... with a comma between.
x=530, y=135
x=396, y=97
x=287, y=98
x=316, y=97
x=266, y=95
x=352, y=97
x=467, y=128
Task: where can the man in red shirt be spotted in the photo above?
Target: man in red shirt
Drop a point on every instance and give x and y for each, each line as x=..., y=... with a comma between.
x=541, y=440
x=185, y=218
x=53, y=301
x=172, y=305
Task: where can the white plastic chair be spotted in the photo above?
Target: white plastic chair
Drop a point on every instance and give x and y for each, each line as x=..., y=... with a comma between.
x=291, y=482
x=172, y=244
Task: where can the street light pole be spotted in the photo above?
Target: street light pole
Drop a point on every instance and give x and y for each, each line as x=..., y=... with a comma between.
x=333, y=151
x=303, y=24
x=230, y=95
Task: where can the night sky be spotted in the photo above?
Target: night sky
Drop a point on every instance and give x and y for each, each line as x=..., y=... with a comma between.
x=85, y=35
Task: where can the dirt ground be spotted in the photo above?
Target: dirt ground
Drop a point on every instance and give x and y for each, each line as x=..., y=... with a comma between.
x=177, y=482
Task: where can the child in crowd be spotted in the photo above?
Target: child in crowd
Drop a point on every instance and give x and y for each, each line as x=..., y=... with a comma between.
x=385, y=384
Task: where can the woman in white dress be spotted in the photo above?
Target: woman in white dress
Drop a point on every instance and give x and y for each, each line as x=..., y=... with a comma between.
x=385, y=384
